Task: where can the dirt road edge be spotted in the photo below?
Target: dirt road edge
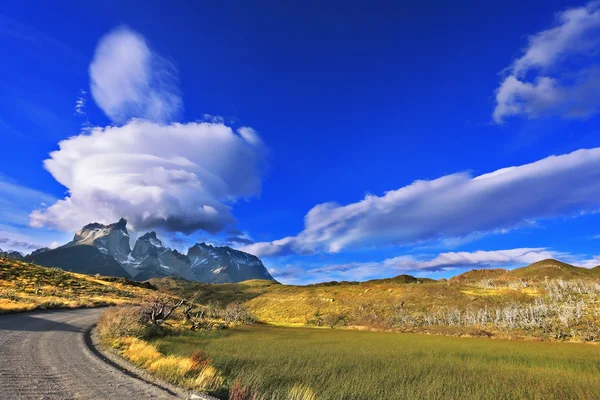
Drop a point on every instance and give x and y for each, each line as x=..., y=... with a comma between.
x=112, y=358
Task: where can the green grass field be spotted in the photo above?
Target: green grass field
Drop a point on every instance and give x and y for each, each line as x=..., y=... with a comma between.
x=343, y=364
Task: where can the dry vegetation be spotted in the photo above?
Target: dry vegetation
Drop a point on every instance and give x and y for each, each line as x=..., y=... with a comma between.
x=547, y=300
x=27, y=287
x=129, y=329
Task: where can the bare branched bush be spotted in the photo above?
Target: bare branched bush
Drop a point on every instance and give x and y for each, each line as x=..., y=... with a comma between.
x=565, y=310
x=158, y=308
x=486, y=284
x=236, y=313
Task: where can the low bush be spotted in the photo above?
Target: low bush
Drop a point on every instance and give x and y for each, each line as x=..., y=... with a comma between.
x=119, y=322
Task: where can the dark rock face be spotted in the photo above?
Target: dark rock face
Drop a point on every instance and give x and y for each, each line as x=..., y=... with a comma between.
x=38, y=251
x=105, y=249
x=82, y=259
x=109, y=239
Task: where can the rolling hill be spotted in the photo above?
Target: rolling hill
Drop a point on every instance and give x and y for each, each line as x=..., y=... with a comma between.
x=538, y=271
x=25, y=287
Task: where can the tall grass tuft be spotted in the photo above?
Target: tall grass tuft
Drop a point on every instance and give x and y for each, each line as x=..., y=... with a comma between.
x=301, y=392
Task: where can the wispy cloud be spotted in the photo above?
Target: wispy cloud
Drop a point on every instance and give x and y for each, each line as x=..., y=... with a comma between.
x=9, y=244
x=17, y=201
x=129, y=80
x=558, y=73
x=25, y=240
x=15, y=30
x=80, y=103
x=452, y=206
x=421, y=265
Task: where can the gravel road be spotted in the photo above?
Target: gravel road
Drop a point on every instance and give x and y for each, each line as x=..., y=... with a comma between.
x=44, y=355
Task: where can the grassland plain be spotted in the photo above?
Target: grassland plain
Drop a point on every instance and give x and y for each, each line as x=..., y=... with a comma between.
x=27, y=287
x=341, y=364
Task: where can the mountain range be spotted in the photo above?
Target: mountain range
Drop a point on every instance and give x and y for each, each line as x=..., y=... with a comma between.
x=11, y=254
x=105, y=249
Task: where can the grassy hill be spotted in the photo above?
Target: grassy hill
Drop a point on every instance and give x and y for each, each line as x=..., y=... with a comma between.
x=552, y=269
x=25, y=287
x=535, y=273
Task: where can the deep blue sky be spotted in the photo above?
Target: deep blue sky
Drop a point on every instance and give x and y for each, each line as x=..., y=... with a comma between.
x=350, y=98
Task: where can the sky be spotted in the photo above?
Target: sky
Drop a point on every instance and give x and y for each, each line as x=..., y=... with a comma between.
x=336, y=141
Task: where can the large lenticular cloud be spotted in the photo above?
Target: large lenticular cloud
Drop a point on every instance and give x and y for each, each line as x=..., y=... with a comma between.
x=176, y=176
x=179, y=177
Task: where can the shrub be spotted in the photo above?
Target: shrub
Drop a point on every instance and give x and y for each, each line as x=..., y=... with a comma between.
x=236, y=313
x=333, y=320
x=238, y=391
x=10, y=294
x=199, y=361
x=121, y=322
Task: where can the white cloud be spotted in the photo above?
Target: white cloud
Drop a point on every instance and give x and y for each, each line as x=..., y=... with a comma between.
x=454, y=205
x=558, y=73
x=129, y=80
x=179, y=177
x=419, y=265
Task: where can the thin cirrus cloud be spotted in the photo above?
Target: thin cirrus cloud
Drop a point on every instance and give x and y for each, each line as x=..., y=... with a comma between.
x=558, y=73
x=177, y=177
x=423, y=265
x=452, y=206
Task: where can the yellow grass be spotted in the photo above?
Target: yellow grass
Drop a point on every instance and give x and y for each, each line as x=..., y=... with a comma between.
x=178, y=370
x=26, y=287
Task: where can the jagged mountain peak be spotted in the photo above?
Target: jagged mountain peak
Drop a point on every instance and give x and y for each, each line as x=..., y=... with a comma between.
x=151, y=238
x=96, y=230
x=112, y=239
x=121, y=224
x=203, y=245
x=149, y=235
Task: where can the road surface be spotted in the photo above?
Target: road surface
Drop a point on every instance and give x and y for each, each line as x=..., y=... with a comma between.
x=44, y=355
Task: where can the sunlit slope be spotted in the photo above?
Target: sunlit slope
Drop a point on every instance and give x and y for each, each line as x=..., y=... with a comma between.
x=367, y=303
x=536, y=272
x=25, y=286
